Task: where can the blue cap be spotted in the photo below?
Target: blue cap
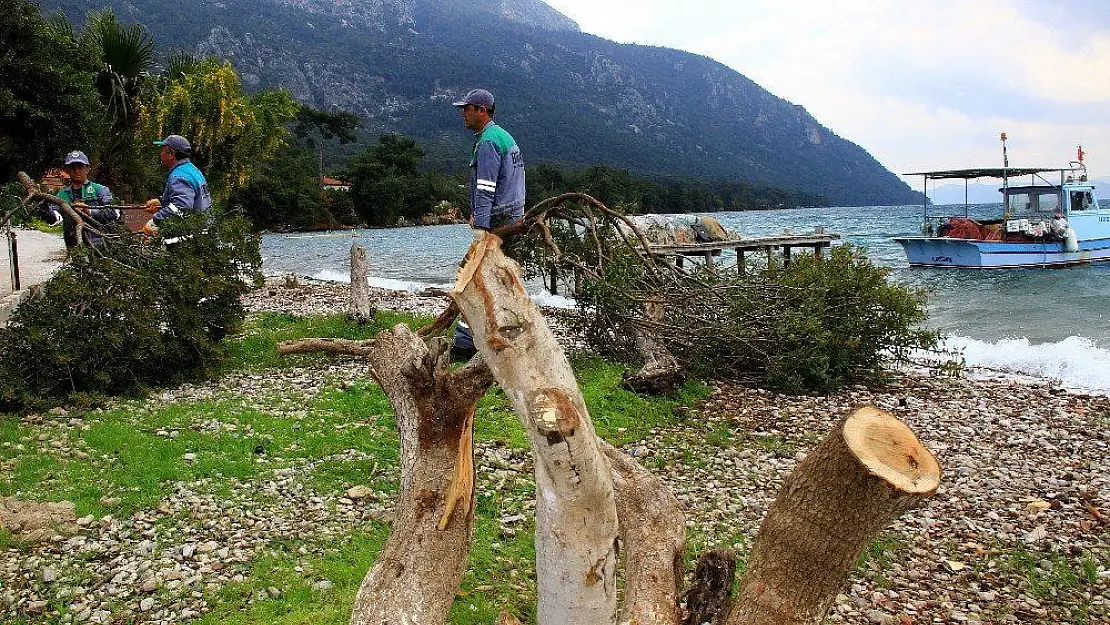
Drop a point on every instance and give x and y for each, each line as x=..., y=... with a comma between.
x=177, y=143
x=76, y=156
x=477, y=97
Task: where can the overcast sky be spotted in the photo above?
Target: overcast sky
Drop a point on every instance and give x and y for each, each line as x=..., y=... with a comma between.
x=920, y=85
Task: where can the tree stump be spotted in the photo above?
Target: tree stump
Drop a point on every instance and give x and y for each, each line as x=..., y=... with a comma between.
x=865, y=474
x=417, y=575
x=661, y=372
x=359, y=309
x=576, y=517
x=653, y=537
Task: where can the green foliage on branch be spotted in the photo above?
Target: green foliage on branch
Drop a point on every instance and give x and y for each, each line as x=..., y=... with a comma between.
x=130, y=317
x=231, y=132
x=815, y=325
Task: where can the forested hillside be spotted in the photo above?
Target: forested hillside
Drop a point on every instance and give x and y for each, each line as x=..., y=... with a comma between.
x=569, y=98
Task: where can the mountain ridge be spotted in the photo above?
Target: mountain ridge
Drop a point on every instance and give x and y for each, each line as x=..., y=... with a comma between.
x=569, y=97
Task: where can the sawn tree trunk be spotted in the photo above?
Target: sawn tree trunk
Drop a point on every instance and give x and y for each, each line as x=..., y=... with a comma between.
x=576, y=518
x=359, y=309
x=417, y=575
x=865, y=474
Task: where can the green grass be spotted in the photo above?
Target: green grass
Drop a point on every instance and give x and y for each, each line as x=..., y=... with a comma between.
x=136, y=451
x=257, y=348
x=1062, y=576
x=344, y=565
x=42, y=226
x=878, y=557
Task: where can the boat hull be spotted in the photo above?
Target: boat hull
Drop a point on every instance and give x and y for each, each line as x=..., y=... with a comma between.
x=975, y=254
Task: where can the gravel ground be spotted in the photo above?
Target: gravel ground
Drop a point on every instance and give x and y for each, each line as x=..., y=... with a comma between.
x=1019, y=531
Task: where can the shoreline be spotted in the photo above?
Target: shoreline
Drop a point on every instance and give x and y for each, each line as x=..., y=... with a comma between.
x=1016, y=532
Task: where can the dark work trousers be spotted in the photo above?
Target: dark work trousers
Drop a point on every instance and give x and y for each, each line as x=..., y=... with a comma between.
x=463, y=342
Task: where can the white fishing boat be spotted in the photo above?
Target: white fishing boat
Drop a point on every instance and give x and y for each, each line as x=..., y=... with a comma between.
x=1041, y=224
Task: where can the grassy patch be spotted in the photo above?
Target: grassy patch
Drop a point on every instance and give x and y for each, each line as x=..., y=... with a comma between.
x=1053, y=574
x=877, y=558
x=257, y=348
x=139, y=450
x=344, y=564
x=136, y=453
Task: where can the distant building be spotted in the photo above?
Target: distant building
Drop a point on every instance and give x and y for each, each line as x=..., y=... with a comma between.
x=53, y=180
x=335, y=184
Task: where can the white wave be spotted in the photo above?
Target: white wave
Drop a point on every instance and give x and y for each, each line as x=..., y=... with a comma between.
x=405, y=285
x=542, y=297
x=331, y=275
x=1076, y=362
x=545, y=298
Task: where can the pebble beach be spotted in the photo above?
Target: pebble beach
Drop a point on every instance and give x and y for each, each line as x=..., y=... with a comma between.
x=1019, y=531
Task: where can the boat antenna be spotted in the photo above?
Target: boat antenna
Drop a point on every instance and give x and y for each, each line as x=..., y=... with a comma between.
x=1005, y=156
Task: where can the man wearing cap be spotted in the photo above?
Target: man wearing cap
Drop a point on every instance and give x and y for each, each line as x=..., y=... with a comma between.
x=85, y=196
x=496, y=181
x=186, y=189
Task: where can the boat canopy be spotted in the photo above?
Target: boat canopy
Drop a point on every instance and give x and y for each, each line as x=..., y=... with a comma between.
x=986, y=172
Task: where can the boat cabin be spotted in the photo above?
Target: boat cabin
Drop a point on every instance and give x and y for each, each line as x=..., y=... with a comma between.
x=1028, y=210
x=1040, y=223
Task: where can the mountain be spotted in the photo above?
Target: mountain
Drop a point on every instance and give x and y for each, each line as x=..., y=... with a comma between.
x=568, y=97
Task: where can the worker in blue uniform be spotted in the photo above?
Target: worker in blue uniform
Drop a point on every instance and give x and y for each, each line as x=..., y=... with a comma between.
x=496, y=182
x=186, y=191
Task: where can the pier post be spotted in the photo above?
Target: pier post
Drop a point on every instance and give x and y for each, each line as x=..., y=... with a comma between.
x=739, y=260
x=786, y=250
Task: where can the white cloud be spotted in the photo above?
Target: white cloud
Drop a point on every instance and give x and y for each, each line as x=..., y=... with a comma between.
x=925, y=84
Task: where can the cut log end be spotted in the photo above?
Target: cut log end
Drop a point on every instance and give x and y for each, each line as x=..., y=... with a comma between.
x=891, y=451
x=656, y=382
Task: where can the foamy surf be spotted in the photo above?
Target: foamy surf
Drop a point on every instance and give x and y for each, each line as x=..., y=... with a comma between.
x=1075, y=362
x=542, y=297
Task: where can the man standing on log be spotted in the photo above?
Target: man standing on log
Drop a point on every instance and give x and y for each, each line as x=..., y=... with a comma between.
x=496, y=182
x=186, y=189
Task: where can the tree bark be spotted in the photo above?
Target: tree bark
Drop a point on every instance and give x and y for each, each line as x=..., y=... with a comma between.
x=332, y=346
x=661, y=372
x=865, y=474
x=710, y=594
x=417, y=575
x=359, y=309
x=576, y=518
x=653, y=537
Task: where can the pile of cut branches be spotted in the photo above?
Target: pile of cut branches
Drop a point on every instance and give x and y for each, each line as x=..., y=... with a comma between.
x=814, y=325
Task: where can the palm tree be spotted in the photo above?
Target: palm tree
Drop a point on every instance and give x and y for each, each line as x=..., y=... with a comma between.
x=124, y=54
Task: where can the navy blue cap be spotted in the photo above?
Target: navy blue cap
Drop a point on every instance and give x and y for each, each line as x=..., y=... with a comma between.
x=76, y=156
x=177, y=143
x=477, y=97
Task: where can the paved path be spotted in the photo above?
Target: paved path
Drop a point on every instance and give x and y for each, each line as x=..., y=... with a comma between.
x=40, y=255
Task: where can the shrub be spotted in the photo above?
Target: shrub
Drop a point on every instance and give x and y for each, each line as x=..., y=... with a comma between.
x=815, y=325
x=136, y=315
x=842, y=318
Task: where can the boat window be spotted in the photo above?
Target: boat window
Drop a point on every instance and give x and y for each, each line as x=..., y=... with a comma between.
x=1033, y=202
x=1082, y=200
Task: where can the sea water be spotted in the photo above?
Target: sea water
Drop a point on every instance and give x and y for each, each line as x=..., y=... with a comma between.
x=1042, y=322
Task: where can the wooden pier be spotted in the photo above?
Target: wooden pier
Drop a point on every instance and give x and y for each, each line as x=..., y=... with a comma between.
x=818, y=241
